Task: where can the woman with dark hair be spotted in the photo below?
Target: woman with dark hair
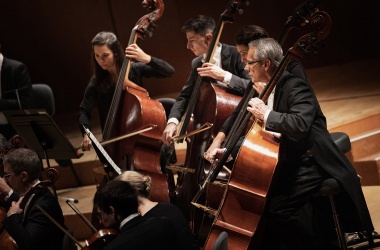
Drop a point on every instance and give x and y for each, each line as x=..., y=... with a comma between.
x=247, y=34
x=107, y=59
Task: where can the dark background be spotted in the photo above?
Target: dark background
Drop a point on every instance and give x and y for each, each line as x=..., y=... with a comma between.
x=53, y=36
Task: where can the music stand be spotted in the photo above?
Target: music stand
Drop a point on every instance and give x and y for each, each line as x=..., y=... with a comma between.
x=41, y=134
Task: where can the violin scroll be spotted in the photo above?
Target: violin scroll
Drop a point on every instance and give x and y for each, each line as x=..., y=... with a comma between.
x=17, y=141
x=52, y=174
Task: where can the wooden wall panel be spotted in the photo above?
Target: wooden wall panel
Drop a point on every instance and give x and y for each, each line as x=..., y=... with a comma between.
x=53, y=37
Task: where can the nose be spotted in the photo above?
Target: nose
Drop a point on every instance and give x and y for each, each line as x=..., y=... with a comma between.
x=246, y=67
x=188, y=45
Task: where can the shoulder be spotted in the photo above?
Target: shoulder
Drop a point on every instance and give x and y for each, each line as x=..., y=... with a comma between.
x=166, y=206
x=229, y=48
x=196, y=62
x=292, y=82
x=167, y=210
x=12, y=63
x=296, y=68
x=46, y=197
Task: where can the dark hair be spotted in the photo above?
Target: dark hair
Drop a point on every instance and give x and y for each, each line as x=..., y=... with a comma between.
x=101, y=77
x=118, y=194
x=24, y=160
x=200, y=25
x=250, y=33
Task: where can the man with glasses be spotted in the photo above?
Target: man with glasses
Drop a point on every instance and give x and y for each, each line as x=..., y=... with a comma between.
x=243, y=37
x=25, y=223
x=307, y=157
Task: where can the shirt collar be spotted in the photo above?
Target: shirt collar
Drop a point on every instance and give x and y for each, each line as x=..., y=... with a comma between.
x=130, y=217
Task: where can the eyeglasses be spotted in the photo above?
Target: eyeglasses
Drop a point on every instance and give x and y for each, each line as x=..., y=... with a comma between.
x=8, y=176
x=249, y=64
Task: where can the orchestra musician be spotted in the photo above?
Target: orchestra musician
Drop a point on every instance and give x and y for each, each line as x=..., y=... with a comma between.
x=243, y=37
x=107, y=59
x=117, y=206
x=148, y=209
x=227, y=68
x=28, y=226
x=15, y=90
x=307, y=157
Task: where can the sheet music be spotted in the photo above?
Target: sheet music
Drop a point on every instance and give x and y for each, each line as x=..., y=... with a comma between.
x=102, y=150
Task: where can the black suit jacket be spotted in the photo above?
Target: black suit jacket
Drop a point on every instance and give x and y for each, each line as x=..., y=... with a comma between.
x=145, y=234
x=230, y=59
x=15, y=80
x=299, y=118
x=177, y=219
x=34, y=230
x=293, y=67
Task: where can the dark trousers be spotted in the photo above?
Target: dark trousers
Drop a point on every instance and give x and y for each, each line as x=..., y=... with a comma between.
x=289, y=212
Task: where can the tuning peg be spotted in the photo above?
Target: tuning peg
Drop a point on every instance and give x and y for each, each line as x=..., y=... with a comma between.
x=153, y=26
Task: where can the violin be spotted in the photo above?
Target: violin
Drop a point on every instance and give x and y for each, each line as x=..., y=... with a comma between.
x=100, y=239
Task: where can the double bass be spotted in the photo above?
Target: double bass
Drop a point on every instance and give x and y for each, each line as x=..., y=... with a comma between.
x=219, y=104
x=132, y=109
x=245, y=196
x=214, y=190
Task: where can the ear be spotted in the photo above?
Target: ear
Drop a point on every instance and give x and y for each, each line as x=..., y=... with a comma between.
x=208, y=37
x=112, y=212
x=112, y=209
x=267, y=64
x=24, y=176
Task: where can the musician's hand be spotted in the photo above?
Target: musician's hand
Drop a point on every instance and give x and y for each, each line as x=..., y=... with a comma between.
x=4, y=187
x=257, y=108
x=86, y=143
x=211, y=152
x=15, y=207
x=259, y=86
x=169, y=132
x=210, y=70
x=214, y=155
x=134, y=52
